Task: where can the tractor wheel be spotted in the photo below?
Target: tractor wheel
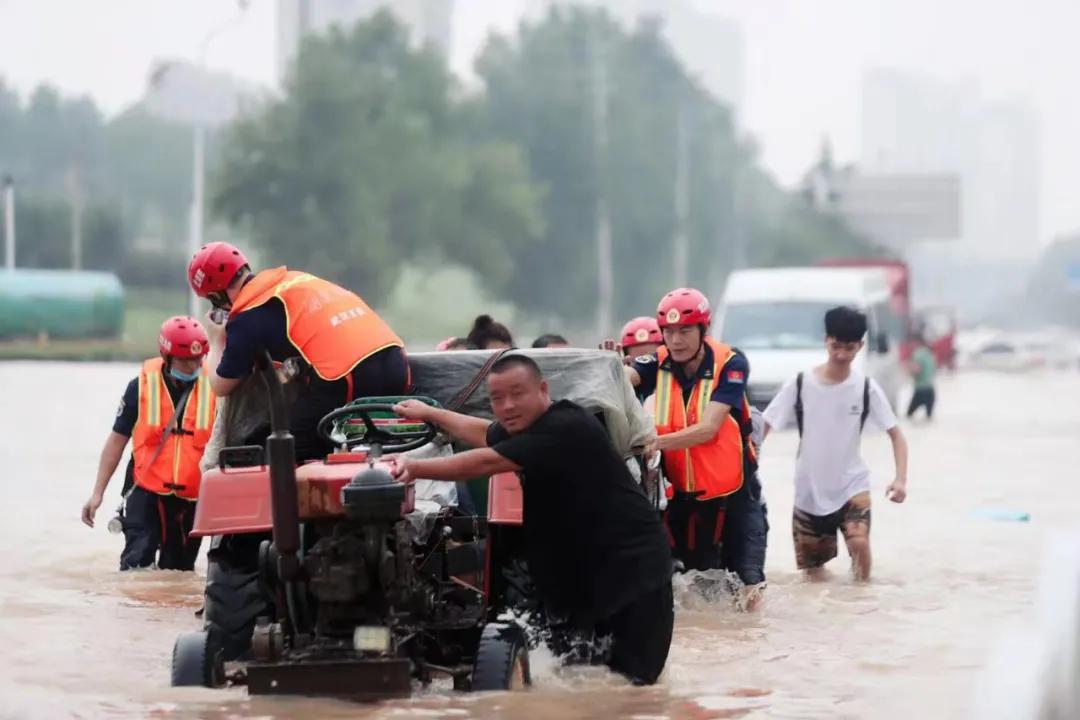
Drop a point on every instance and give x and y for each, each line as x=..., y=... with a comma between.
x=197, y=661
x=235, y=596
x=502, y=659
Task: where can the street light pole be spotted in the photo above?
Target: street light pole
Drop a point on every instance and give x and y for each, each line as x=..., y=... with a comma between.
x=9, y=222
x=195, y=235
x=198, y=161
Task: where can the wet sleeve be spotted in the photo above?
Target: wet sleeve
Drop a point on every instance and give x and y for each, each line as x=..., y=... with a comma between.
x=241, y=343
x=647, y=369
x=731, y=385
x=881, y=412
x=128, y=412
x=781, y=411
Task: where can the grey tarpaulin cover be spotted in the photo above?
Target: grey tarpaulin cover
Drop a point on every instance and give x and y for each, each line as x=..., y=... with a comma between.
x=591, y=378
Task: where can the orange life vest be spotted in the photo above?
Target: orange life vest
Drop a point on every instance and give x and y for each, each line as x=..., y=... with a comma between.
x=175, y=469
x=714, y=468
x=333, y=328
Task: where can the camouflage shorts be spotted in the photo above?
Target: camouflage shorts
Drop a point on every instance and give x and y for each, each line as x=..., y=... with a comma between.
x=815, y=535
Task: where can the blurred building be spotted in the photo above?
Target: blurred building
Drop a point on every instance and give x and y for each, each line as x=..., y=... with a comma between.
x=430, y=21
x=712, y=47
x=916, y=124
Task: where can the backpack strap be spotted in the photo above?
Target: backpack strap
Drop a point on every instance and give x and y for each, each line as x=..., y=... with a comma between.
x=798, y=403
x=865, y=404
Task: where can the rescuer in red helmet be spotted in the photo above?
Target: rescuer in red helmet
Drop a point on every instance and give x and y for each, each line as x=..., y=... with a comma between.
x=168, y=413
x=703, y=424
x=347, y=350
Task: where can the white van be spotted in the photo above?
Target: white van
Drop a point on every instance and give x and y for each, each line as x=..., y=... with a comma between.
x=777, y=317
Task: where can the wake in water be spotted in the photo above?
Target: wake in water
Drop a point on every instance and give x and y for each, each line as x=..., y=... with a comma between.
x=707, y=589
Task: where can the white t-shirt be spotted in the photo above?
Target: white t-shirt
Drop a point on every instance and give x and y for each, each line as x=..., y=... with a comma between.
x=830, y=470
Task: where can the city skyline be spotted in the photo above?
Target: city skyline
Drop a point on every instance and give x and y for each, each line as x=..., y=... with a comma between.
x=803, y=65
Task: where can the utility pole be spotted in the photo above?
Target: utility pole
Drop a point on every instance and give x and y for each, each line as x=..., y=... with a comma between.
x=680, y=241
x=9, y=222
x=605, y=274
x=76, y=197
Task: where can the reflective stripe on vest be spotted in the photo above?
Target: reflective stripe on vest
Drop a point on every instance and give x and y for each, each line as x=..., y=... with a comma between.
x=332, y=328
x=175, y=468
x=713, y=468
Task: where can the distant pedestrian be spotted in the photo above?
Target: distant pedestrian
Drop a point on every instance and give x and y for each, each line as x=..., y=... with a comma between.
x=486, y=334
x=550, y=340
x=923, y=368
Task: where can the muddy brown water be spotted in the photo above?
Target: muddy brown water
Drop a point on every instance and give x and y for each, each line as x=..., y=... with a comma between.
x=79, y=639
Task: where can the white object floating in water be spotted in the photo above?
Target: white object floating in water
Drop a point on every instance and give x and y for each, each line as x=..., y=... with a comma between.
x=1004, y=515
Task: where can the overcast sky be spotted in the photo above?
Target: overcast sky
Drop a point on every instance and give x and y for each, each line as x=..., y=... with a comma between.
x=804, y=66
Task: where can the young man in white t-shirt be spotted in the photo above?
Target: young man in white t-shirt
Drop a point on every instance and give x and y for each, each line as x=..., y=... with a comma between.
x=831, y=404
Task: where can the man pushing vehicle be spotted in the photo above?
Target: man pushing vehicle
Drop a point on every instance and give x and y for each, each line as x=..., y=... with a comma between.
x=347, y=350
x=595, y=547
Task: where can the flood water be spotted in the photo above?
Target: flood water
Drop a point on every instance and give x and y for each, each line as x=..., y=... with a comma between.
x=79, y=639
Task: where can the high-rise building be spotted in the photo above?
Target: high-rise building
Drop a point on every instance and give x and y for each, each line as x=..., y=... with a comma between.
x=917, y=124
x=712, y=47
x=429, y=20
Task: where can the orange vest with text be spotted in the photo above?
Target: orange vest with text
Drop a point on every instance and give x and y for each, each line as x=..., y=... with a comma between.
x=175, y=469
x=714, y=468
x=333, y=328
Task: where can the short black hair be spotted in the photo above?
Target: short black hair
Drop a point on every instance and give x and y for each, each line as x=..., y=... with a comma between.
x=513, y=360
x=846, y=324
x=549, y=339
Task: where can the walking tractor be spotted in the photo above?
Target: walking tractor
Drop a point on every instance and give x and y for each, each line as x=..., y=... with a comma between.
x=333, y=578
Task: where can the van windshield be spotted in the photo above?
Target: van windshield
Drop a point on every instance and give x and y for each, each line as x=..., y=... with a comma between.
x=775, y=325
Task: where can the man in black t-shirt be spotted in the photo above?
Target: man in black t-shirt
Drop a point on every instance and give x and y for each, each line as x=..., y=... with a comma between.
x=596, y=550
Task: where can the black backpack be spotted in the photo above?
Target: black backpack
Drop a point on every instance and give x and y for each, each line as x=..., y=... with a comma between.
x=799, y=403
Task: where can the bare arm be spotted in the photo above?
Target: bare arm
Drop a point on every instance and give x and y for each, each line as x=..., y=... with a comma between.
x=470, y=430
x=466, y=465
x=898, y=489
x=698, y=433
x=107, y=464
x=632, y=375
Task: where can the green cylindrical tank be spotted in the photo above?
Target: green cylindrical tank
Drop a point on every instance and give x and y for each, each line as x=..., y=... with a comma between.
x=61, y=304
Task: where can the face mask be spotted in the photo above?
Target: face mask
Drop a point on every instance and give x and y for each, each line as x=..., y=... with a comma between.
x=182, y=376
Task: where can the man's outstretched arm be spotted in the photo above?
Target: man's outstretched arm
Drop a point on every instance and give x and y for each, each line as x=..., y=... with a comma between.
x=468, y=429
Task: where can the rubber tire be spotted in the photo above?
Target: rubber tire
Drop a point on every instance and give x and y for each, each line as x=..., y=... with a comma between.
x=234, y=599
x=197, y=661
x=501, y=647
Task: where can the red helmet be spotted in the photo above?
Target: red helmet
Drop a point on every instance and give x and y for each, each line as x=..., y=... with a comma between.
x=685, y=306
x=182, y=337
x=214, y=267
x=641, y=330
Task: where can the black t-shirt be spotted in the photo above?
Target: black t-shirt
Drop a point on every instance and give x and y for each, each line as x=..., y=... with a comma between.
x=249, y=332
x=594, y=542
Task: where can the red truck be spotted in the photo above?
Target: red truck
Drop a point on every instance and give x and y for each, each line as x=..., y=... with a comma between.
x=938, y=324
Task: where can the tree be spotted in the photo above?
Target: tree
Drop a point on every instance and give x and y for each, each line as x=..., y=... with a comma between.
x=540, y=90
x=364, y=166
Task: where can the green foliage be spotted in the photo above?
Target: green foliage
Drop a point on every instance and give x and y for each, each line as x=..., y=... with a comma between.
x=363, y=168
x=541, y=90
x=133, y=174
